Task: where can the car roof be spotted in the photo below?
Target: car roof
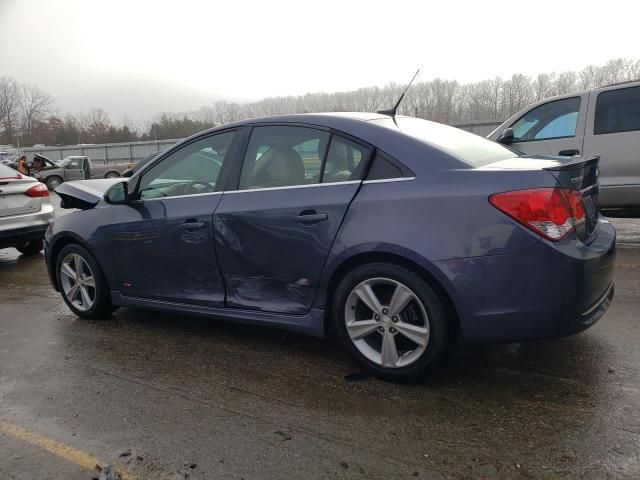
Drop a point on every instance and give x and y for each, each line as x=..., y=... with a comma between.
x=365, y=126
x=325, y=119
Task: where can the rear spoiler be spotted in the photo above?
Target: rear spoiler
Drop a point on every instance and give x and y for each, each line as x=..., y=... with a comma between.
x=576, y=162
x=577, y=173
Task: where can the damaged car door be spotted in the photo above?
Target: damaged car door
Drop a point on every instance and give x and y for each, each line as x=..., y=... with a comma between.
x=161, y=241
x=275, y=225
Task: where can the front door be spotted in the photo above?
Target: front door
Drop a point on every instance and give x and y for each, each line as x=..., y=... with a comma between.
x=74, y=169
x=274, y=232
x=162, y=243
x=553, y=128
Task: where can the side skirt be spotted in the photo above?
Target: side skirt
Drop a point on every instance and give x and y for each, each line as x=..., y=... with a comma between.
x=310, y=324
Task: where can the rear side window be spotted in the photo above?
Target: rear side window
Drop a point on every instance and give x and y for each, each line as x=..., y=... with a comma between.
x=345, y=160
x=557, y=119
x=283, y=156
x=618, y=111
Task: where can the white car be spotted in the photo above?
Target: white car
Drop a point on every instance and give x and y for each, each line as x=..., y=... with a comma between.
x=603, y=122
x=25, y=211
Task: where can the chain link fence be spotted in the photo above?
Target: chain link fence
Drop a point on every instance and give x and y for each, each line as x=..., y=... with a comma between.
x=132, y=152
x=129, y=152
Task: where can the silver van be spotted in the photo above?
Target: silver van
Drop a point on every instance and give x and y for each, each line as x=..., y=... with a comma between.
x=604, y=121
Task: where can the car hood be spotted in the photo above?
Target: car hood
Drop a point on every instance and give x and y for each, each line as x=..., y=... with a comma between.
x=84, y=194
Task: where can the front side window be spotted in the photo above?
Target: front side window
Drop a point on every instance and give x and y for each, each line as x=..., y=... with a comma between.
x=618, y=111
x=556, y=119
x=282, y=156
x=193, y=169
x=74, y=163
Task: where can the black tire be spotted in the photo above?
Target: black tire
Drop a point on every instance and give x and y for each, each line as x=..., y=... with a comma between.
x=438, y=324
x=32, y=247
x=53, y=181
x=112, y=174
x=102, y=306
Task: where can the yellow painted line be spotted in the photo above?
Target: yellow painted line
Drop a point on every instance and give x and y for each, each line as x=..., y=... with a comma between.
x=59, y=449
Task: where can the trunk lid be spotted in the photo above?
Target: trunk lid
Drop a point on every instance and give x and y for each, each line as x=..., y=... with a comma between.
x=84, y=194
x=13, y=197
x=581, y=174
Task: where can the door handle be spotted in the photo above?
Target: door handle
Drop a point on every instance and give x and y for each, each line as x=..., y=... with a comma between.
x=311, y=217
x=569, y=153
x=192, y=225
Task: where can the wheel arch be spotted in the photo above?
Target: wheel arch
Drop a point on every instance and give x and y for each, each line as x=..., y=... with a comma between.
x=61, y=241
x=365, y=258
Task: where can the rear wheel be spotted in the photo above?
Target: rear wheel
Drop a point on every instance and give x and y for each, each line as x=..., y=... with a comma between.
x=82, y=283
x=112, y=175
x=391, y=321
x=32, y=247
x=53, y=182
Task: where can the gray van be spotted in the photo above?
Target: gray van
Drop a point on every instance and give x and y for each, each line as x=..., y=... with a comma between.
x=604, y=121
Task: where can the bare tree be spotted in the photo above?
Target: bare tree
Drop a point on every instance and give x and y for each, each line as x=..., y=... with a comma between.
x=631, y=69
x=96, y=125
x=9, y=108
x=36, y=104
x=543, y=86
x=614, y=70
x=566, y=83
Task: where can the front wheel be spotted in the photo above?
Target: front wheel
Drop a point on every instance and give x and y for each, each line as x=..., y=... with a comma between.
x=82, y=283
x=391, y=321
x=53, y=182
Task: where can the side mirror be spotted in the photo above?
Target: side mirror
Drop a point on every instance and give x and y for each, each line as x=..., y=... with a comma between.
x=507, y=136
x=118, y=194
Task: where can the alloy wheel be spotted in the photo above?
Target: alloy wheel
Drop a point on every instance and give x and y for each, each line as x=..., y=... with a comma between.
x=53, y=183
x=387, y=322
x=78, y=282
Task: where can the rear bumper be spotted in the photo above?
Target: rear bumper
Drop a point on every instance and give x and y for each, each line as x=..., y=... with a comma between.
x=551, y=291
x=19, y=229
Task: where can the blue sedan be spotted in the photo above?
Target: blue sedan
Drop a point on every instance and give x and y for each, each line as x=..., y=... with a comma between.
x=393, y=233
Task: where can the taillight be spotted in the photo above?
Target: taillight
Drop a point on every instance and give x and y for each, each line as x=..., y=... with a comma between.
x=550, y=212
x=39, y=190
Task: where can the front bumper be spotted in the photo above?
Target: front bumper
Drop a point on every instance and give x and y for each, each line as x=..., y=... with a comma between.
x=551, y=291
x=19, y=229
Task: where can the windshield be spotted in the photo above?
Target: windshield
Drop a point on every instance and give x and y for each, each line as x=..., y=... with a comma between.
x=468, y=147
x=64, y=162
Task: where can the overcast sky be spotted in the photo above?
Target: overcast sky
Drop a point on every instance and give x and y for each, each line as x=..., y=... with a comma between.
x=140, y=57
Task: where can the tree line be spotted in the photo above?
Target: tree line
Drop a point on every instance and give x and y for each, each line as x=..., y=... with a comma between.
x=28, y=114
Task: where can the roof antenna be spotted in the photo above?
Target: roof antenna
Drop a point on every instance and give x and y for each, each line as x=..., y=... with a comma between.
x=392, y=111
